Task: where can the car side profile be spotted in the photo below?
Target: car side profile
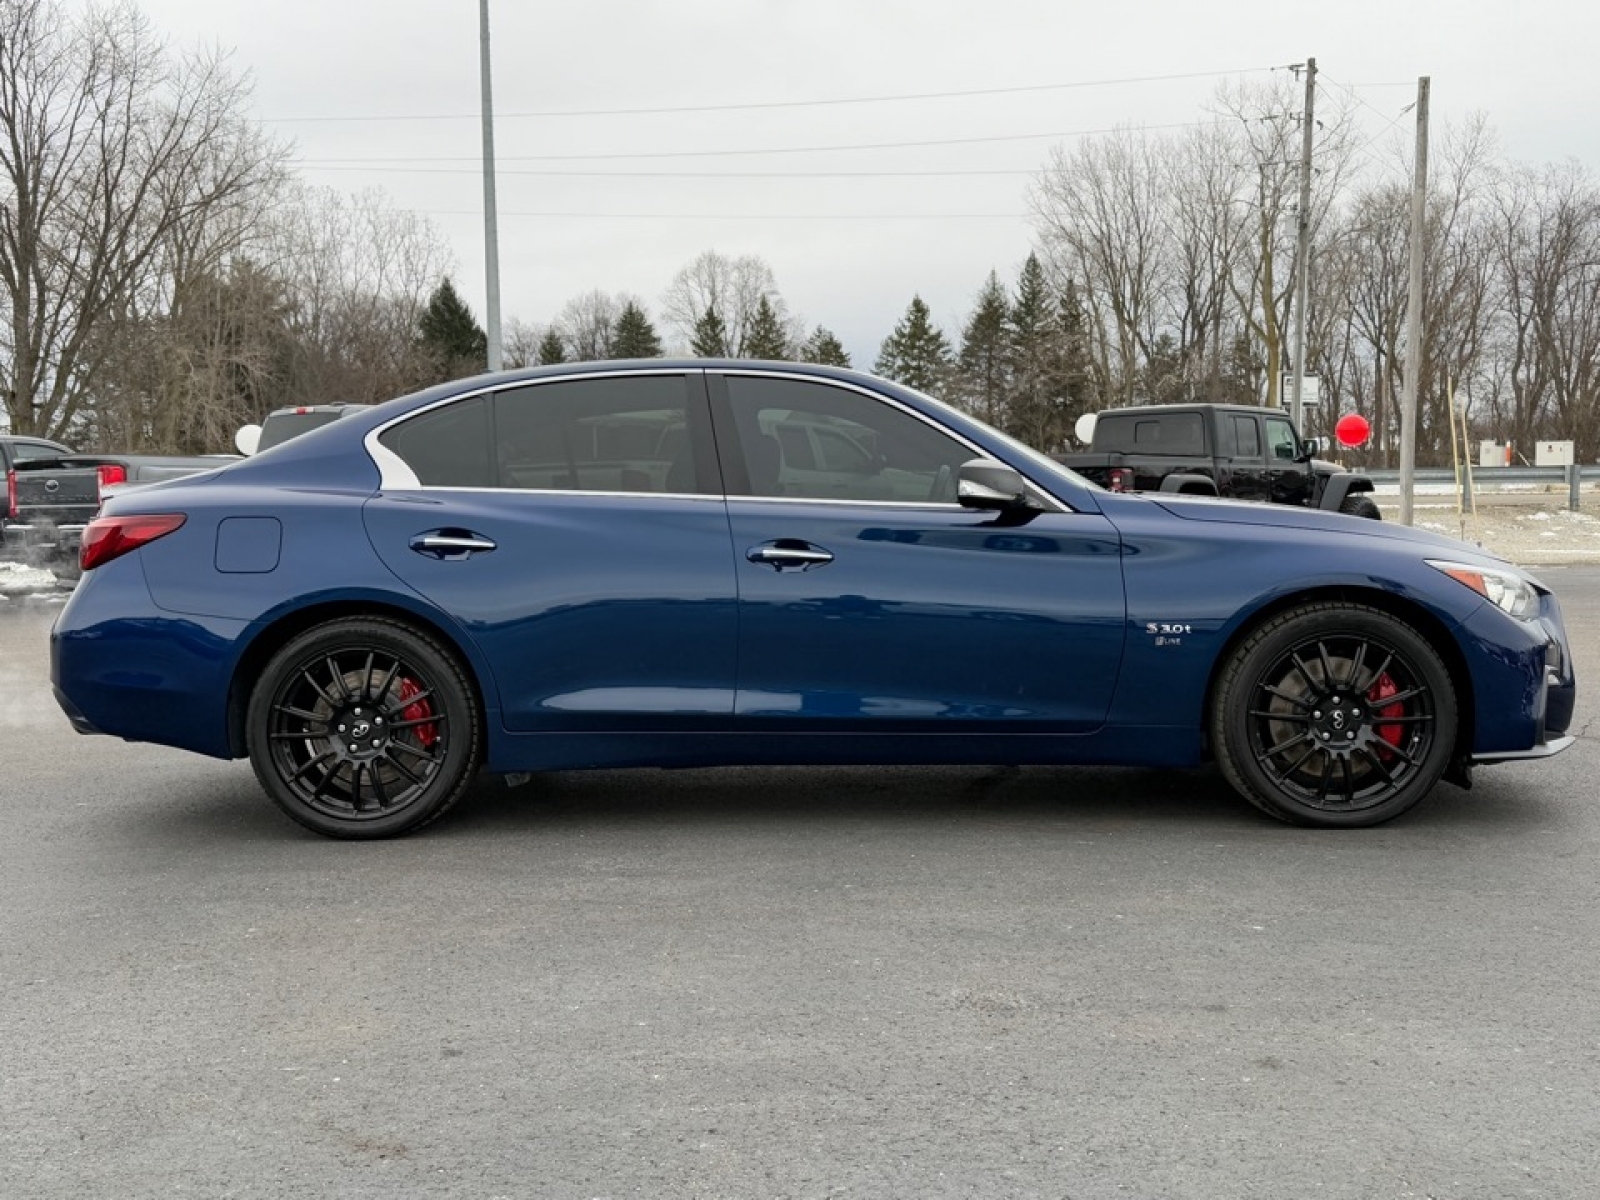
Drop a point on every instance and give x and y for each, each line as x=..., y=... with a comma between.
x=702, y=562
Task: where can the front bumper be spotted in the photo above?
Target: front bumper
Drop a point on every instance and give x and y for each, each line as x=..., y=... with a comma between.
x=1542, y=750
x=1526, y=691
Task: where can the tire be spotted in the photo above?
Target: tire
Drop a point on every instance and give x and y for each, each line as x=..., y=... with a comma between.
x=1360, y=505
x=1334, y=715
x=364, y=728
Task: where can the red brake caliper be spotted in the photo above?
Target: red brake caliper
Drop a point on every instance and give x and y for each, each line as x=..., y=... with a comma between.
x=426, y=734
x=1382, y=688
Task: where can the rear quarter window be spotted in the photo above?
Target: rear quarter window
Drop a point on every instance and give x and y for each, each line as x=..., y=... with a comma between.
x=1167, y=433
x=448, y=447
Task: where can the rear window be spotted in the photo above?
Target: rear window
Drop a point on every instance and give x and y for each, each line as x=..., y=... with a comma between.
x=280, y=427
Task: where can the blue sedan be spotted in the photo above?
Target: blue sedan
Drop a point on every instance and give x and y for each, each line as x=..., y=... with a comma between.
x=699, y=563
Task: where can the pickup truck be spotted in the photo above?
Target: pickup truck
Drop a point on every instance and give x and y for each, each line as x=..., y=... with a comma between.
x=281, y=424
x=15, y=527
x=1232, y=450
x=50, y=498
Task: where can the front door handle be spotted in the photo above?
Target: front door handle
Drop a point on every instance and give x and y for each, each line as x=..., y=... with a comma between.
x=451, y=544
x=789, y=554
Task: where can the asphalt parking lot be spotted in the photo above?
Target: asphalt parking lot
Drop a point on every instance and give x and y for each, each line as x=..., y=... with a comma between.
x=805, y=983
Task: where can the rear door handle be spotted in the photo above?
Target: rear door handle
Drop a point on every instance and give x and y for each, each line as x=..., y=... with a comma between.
x=451, y=544
x=789, y=554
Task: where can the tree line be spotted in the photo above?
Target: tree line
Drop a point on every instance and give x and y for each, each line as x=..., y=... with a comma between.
x=165, y=278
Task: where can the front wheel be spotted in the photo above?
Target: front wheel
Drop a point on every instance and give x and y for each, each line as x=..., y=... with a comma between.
x=1334, y=715
x=1360, y=505
x=363, y=728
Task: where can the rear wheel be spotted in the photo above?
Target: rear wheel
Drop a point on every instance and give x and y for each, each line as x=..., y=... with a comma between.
x=1360, y=505
x=1334, y=715
x=363, y=728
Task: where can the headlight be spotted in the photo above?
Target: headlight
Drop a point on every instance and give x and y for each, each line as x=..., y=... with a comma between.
x=1507, y=590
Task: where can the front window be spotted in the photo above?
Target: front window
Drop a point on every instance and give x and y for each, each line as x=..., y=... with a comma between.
x=813, y=441
x=1281, y=441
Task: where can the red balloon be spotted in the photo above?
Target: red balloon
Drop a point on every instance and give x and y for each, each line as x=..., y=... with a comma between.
x=1352, y=429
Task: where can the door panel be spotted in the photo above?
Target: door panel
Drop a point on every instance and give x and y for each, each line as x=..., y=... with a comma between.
x=575, y=529
x=866, y=603
x=590, y=609
x=1247, y=473
x=1290, y=481
x=927, y=616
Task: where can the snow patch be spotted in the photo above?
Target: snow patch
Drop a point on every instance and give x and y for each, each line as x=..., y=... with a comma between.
x=17, y=579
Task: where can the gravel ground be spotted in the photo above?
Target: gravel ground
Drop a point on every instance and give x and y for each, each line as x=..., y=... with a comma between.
x=1532, y=528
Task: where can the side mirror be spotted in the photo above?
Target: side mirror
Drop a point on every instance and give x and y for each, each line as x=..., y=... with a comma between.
x=1310, y=447
x=986, y=484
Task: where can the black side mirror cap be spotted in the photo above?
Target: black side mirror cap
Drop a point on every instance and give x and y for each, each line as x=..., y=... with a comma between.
x=992, y=486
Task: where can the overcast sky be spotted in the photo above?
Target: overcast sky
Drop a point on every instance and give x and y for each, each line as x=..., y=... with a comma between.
x=848, y=251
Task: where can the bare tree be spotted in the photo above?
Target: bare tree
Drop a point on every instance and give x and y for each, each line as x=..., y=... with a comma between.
x=734, y=287
x=1547, y=241
x=1208, y=191
x=587, y=322
x=112, y=148
x=358, y=273
x=520, y=342
x=1100, y=213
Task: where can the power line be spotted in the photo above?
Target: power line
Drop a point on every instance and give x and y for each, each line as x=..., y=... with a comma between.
x=656, y=154
x=771, y=104
x=686, y=174
x=1364, y=148
x=603, y=216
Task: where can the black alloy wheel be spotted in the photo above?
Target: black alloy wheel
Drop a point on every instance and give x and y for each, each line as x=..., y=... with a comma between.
x=1335, y=715
x=363, y=728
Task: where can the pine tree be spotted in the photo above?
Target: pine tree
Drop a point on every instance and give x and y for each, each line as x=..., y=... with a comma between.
x=985, y=360
x=917, y=353
x=1054, y=380
x=824, y=349
x=634, y=335
x=449, y=336
x=710, y=336
x=552, y=349
x=1071, y=362
x=766, y=337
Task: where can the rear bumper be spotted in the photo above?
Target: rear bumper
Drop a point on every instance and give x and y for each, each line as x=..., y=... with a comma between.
x=79, y=722
x=31, y=535
x=122, y=666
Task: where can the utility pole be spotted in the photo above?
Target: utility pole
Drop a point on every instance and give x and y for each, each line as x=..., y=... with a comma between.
x=491, y=231
x=1308, y=129
x=1408, y=390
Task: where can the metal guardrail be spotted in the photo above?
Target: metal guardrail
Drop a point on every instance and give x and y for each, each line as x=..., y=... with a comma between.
x=1491, y=479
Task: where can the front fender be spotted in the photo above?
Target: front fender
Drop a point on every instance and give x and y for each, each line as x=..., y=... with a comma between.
x=1332, y=490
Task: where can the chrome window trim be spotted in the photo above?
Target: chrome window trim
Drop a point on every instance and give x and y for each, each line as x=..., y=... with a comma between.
x=505, y=491
x=395, y=475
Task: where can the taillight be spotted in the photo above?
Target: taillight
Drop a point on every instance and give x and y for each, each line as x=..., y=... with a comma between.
x=1121, y=478
x=111, y=473
x=106, y=538
x=11, y=495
